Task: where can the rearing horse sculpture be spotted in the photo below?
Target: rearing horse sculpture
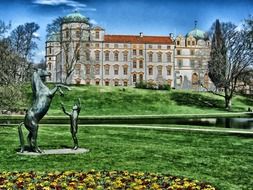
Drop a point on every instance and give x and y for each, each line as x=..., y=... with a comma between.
x=42, y=98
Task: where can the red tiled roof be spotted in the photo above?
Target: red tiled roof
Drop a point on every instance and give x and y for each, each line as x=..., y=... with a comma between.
x=138, y=39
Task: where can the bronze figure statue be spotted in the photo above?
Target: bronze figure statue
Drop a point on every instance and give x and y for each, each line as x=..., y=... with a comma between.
x=42, y=98
x=73, y=121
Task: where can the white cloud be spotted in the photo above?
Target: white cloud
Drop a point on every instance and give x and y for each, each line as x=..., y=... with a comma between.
x=36, y=34
x=92, y=21
x=70, y=3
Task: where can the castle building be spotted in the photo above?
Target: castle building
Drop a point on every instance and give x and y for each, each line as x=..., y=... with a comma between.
x=82, y=54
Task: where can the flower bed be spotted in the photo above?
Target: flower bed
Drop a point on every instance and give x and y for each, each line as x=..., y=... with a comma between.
x=98, y=180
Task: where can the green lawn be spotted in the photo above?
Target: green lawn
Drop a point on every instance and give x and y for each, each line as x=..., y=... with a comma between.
x=221, y=159
x=131, y=101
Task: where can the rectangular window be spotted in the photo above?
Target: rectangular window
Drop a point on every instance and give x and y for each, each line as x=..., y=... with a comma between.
x=150, y=70
x=107, y=69
x=78, y=34
x=168, y=47
x=116, y=56
x=97, y=57
x=169, y=57
x=97, y=70
x=178, y=52
x=134, y=64
x=188, y=43
x=107, y=56
x=192, y=63
x=97, y=45
x=87, y=56
x=116, y=71
x=169, y=70
x=106, y=45
x=193, y=43
x=97, y=35
x=178, y=42
x=150, y=57
x=179, y=63
x=159, y=57
x=125, y=70
x=134, y=52
x=78, y=55
x=87, y=70
x=140, y=52
x=125, y=57
x=150, y=46
x=50, y=50
x=141, y=64
x=159, y=71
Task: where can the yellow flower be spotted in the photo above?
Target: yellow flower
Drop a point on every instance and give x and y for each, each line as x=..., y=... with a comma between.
x=155, y=186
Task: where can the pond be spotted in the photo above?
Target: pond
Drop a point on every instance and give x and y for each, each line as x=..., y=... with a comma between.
x=239, y=123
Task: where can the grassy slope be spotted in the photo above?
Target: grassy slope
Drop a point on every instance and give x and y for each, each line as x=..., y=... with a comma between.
x=223, y=160
x=115, y=101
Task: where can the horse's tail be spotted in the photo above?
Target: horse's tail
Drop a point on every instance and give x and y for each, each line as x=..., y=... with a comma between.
x=21, y=137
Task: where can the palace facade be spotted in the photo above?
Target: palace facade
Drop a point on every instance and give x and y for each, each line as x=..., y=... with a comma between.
x=81, y=54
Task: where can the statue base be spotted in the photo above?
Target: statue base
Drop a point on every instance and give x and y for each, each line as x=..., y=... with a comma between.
x=55, y=152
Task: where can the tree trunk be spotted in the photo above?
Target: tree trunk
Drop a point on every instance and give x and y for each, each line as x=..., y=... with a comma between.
x=228, y=100
x=228, y=103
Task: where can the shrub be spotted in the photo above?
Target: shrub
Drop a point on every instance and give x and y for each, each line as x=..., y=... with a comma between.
x=152, y=86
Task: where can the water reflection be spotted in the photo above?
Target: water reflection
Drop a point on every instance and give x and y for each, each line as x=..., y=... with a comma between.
x=240, y=123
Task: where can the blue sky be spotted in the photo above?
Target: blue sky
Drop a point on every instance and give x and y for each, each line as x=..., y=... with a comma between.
x=152, y=17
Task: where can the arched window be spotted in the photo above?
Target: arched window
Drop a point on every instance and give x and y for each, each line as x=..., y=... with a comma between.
x=195, y=79
x=159, y=57
x=141, y=64
x=169, y=57
x=134, y=77
x=107, y=56
x=116, y=56
x=49, y=66
x=141, y=77
x=150, y=57
x=206, y=80
x=180, y=80
x=97, y=55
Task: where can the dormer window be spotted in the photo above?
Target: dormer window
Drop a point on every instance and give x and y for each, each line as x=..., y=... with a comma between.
x=178, y=43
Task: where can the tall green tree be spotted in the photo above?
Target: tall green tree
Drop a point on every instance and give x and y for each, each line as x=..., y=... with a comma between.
x=230, y=57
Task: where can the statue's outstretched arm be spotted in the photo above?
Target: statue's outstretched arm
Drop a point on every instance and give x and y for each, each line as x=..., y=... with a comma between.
x=63, y=109
x=79, y=105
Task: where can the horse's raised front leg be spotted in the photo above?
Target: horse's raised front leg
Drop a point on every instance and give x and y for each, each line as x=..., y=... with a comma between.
x=58, y=87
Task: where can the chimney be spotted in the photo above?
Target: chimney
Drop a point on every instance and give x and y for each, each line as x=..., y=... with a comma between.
x=141, y=34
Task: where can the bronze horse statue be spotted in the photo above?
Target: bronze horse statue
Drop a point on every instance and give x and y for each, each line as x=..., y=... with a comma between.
x=42, y=98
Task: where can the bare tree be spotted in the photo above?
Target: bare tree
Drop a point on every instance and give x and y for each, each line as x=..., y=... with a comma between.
x=231, y=55
x=73, y=48
x=23, y=43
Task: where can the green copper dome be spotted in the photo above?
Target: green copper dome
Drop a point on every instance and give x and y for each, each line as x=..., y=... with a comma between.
x=198, y=34
x=75, y=17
